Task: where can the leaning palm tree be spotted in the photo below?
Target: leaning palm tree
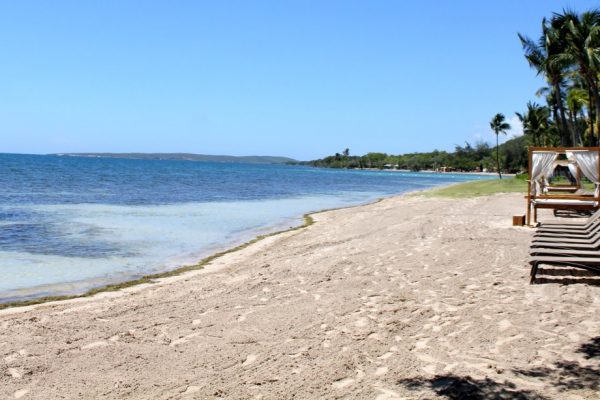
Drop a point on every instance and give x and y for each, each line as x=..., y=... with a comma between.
x=499, y=125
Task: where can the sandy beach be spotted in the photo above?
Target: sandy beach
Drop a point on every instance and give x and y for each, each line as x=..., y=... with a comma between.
x=407, y=298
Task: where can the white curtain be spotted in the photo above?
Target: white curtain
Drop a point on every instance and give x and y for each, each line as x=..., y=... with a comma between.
x=573, y=170
x=541, y=168
x=588, y=163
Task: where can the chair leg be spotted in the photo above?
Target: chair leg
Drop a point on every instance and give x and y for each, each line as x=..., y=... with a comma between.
x=534, y=268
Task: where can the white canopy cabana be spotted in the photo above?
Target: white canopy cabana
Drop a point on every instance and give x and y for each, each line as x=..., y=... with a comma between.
x=542, y=163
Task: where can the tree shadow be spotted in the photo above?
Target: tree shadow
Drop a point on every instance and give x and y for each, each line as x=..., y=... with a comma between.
x=591, y=349
x=562, y=375
x=464, y=387
x=566, y=375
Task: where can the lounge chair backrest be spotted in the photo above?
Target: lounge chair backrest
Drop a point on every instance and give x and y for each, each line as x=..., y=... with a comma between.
x=593, y=218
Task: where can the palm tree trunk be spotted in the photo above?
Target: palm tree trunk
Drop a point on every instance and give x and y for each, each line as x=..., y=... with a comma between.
x=564, y=127
x=573, y=127
x=498, y=156
x=596, y=114
x=594, y=108
x=563, y=138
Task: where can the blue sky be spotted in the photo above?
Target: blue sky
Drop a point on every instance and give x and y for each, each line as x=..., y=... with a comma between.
x=297, y=78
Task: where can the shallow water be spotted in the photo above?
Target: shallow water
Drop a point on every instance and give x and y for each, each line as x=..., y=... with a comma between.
x=68, y=224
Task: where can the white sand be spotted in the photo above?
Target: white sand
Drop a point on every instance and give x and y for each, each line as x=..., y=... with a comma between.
x=408, y=298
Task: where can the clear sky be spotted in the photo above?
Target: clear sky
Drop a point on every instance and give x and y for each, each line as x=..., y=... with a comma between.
x=302, y=78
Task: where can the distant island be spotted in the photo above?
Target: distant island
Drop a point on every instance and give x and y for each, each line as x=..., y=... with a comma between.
x=187, y=157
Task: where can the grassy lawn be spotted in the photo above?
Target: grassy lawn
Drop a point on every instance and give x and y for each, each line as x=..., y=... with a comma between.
x=480, y=188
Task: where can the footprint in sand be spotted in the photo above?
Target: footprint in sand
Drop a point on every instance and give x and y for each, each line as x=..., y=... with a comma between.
x=421, y=344
x=430, y=369
x=342, y=383
x=94, y=345
x=386, y=394
x=504, y=325
x=243, y=317
x=191, y=390
x=361, y=323
x=14, y=373
x=10, y=358
x=502, y=341
x=20, y=393
x=299, y=352
x=184, y=339
x=251, y=358
x=375, y=336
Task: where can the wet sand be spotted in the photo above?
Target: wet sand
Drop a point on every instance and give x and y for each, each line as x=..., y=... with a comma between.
x=407, y=298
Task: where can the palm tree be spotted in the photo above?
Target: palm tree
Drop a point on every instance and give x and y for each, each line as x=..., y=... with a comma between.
x=577, y=100
x=542, y=57
x=535, y=123
x=580, y=35
x=499, y=125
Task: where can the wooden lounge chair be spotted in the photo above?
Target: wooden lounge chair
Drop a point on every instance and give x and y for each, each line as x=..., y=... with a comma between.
x=587, y=263
x=583, y=240
x=570, y=233
x=559, y=243
x=562, y=189
x=585, y=225
x=568, y=229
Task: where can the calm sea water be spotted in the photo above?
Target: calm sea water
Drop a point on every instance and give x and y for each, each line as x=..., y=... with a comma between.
x=68, y=224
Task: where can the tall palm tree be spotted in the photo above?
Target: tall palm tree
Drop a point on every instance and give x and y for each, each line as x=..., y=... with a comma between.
x=542, y=57
x=499, y=125
x=580, y=35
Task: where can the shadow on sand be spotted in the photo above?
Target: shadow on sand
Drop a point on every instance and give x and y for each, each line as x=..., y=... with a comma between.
x=562, y=375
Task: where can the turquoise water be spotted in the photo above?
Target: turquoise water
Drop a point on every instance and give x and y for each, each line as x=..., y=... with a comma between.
x=68, y=224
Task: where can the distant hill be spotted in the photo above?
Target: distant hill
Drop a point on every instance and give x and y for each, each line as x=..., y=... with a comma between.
x=187, y=157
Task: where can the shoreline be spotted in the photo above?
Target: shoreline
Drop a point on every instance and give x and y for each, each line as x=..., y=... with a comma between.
x=152, y=278
x=396, y=299
x=306, y=220
x=149, y=279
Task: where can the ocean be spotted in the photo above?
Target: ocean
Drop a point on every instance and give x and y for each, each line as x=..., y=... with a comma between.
x=69, y=224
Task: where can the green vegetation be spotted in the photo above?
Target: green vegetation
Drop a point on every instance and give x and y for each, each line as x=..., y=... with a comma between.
x=567, y=55
x=479, y=188
x=512, y=155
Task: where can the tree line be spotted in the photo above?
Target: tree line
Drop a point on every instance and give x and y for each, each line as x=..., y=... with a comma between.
x=478, y=157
